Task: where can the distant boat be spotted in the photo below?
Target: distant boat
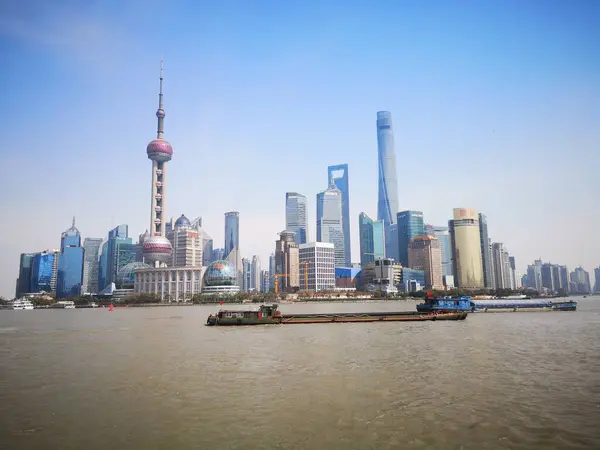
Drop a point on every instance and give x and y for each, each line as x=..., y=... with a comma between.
x=64, y=304
x=21, y=304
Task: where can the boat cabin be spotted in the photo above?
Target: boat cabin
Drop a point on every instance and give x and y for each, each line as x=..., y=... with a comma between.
x=432, y=304
x=265, y=311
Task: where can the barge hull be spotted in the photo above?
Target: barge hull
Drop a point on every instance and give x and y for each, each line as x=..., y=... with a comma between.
x=338, y=318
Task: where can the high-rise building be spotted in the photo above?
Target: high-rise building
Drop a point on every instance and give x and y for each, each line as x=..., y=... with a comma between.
x=256, y=274
x=272, y=271
x=372, y=239
x=387, y=197
x=513, y=273
x=564, y=279
x=157, y=248
x=387, y=201
x=232, y=243
x=70, y=264
x=295, y=216
x=330, y=222
x=232, y=232
x=187, y=244
x=120, y=250
x=91, y=253
x=218, y=254
x=581, y=281
x=265, y=281
x=425, y=253
x=466, y=249
x=24, y=280
x=410, y=225
x=44, y=271
x=548, y=277
x=597, y=280
x=443, y=236
x=391, y=241
x=287, y=270
x=207, y=247
x=501, y=266
x=246, y=275
x=534, y=275
x=556, y=277
x=103, y=267
x=317, y=263
x=339, y=175
x=484, y=240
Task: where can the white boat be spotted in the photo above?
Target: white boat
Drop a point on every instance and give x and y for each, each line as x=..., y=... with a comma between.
x=22, y=304
x=64, y=304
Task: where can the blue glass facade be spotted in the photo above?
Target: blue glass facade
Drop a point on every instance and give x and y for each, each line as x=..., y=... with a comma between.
x=24, y=280
x=329, y=222
x=70, y=264
x=41, y=272
x=103, y=267
x=218, y=254
x=117, y=237
x=410, y=225
x=339, y=175
x=295, y=216
x=232, y=232
x=125, y=253
x=70, y=272
x=387, y=201
x=372, y=239
x=409, y=275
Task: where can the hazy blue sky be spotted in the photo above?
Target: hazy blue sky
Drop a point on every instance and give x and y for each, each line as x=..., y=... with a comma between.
x=496, y=106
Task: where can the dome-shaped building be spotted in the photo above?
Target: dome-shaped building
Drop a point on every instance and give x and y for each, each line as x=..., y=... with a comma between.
x=182, y=222
x=220, y=277
x=126, y=274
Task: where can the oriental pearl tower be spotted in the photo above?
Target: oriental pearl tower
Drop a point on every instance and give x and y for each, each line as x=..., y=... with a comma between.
x=157, y=248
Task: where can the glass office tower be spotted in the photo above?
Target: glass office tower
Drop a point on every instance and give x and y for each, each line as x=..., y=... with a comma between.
x=339, y=175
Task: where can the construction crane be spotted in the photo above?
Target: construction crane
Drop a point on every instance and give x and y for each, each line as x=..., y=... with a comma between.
x=277, y=275
x=276, y=284
x=305, y=264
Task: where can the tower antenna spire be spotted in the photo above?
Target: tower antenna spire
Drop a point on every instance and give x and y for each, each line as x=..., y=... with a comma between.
x=160, y=112
x=73, y=226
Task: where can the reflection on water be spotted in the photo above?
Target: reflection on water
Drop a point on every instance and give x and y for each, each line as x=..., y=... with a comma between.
x=143, y=378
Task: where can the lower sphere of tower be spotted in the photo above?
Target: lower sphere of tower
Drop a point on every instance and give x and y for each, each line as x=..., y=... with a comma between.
x=157, y=248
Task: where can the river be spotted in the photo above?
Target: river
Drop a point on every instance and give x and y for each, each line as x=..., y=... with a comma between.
x=157, y=378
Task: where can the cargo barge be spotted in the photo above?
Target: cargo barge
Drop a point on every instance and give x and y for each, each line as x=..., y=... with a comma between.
x=268, y=314
x=494, y=305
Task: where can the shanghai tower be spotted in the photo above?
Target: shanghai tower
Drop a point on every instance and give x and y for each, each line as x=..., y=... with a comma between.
x=387, y=201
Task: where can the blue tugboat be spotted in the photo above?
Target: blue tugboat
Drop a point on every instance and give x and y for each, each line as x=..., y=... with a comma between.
x=516, y=304
x=444, y=304
x=564, y=306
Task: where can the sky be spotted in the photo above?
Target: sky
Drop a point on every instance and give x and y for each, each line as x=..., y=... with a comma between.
x=495, y=106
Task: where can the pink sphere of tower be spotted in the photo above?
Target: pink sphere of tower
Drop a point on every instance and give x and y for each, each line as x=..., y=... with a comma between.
x=157, y=248
x=159, y=150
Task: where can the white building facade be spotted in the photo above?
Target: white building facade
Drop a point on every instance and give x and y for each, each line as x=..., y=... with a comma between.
x=175, y=284
x=317, y=266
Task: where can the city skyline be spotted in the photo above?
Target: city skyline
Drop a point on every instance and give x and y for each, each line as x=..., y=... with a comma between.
x=481, y=116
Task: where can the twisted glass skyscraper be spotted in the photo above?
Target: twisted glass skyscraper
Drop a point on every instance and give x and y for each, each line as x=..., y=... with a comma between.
x=387, y=201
